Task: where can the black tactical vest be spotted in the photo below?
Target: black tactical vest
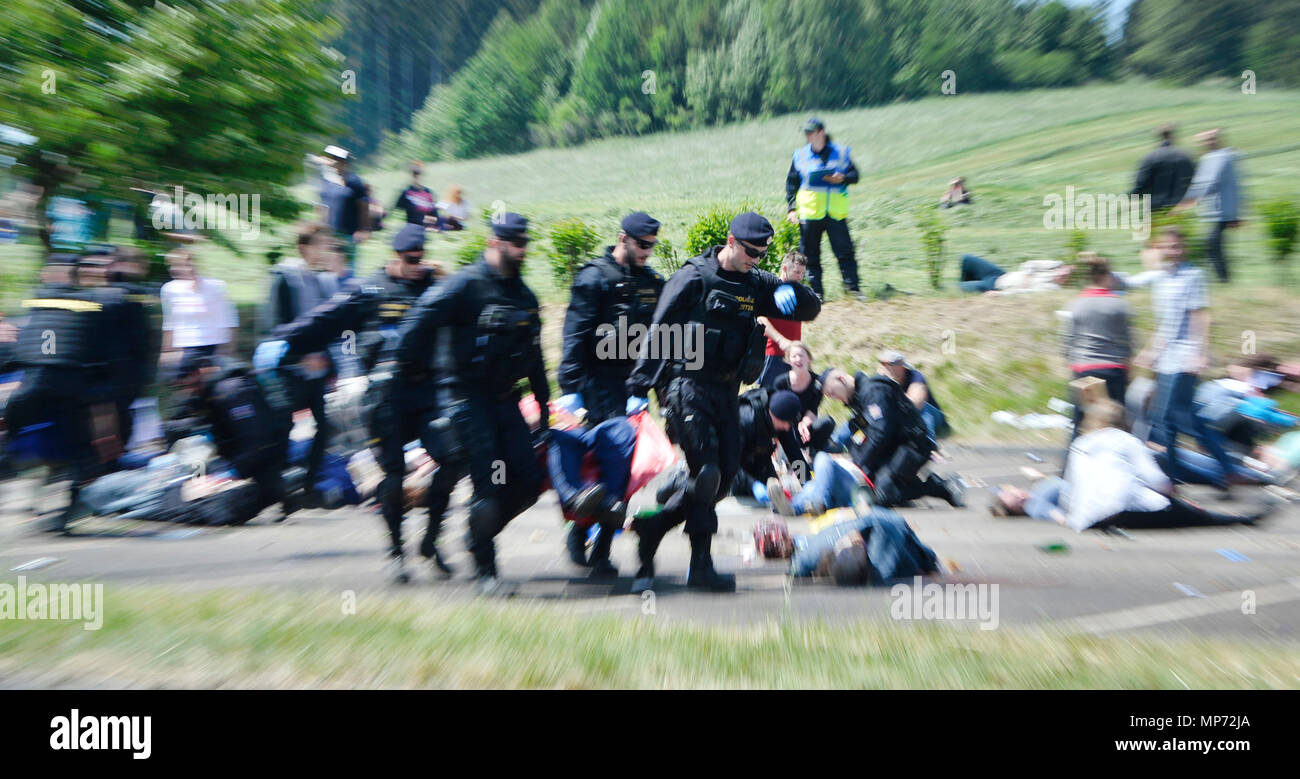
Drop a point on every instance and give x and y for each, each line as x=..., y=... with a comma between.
x=733, y=340
x=493, y=354
x=631, y=296
x=67, y=327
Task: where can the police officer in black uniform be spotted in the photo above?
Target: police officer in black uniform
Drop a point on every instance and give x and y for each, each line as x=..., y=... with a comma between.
x=249, y=415
x=611, y=303
x=126, y=272
x=65, y=350
x=484, y=331
x=767, y=418
x=610, y=295
x=720, y=292
x=399, y=403
x=888, y=437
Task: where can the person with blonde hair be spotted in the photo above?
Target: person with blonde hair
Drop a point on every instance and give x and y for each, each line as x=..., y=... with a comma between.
x=454, y=211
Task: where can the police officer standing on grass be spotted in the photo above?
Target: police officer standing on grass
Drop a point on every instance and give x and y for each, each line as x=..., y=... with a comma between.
x=720, y=292
x=817, y=195
x=483, y=329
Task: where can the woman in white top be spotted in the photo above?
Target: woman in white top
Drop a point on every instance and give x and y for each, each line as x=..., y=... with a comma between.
x=1112, y=480
x=454, y=211
x=198, y=318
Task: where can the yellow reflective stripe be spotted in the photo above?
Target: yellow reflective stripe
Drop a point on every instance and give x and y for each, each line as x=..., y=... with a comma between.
x=810, y=203
x=63, y=303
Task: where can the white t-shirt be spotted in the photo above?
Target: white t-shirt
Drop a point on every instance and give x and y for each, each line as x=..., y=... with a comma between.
x=1110, y=471
x=197, y=313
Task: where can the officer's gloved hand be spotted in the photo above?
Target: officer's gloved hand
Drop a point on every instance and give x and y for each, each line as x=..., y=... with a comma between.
x=785, y=299
x=636, y=405
x=571, y=402
x=760, y=493
x=269, y=354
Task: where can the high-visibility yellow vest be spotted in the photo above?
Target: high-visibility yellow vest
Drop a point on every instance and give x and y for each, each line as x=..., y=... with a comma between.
x=816, y=200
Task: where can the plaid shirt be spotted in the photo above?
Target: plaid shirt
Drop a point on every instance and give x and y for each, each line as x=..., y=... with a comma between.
x=1176, y=294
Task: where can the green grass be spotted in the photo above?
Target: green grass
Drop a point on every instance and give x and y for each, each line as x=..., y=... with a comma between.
x=157, y=637
x=1014, y=149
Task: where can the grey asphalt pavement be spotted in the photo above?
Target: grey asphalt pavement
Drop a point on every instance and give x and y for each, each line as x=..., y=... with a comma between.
x=1166, y=582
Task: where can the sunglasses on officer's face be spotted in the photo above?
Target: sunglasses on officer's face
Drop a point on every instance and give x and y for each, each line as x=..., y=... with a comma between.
x=518, y=243
x=757, y=254
x=412, y=257
x=644, y=246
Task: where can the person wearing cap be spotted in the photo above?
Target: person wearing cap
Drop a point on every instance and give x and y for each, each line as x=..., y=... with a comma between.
x=886, y=435
x=917, y=390
x=717, y=296
x=483, y=330
x=402, y=406
x=817, y=197
x=346, y=202
x=766, y=419
x=611, y=295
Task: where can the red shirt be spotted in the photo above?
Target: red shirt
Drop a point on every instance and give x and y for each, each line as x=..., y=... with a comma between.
x=786, y=327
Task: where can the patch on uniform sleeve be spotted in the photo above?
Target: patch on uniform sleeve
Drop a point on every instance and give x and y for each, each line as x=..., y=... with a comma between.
x=874, y=411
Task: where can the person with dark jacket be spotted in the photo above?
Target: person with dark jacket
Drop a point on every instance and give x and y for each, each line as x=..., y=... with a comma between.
x=67, y=395
x=887, y=437
x=766, y=419
x=1165, y=173
x=717, y=295
x=248, y=415
x=296, y=290
x=483, y=328
x=613, y=300
x=418, y=201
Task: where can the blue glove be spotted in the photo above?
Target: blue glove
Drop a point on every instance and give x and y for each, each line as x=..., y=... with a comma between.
x=785, y=299
x=571, y=402
x=636, y=405
x=268, y=354
x=760, y=493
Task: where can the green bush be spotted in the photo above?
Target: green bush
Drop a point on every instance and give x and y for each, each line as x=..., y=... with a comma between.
x=669, y=259
x=468, y=252
x=1281, y=226
x=1076, y=241
x=932, y=236
x=572, y=244
x=711, y=230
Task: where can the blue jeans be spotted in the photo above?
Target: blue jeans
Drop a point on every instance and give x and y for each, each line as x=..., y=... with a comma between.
x=1173, y=411
x=831, y=486
x=612, y=442
x=935, y=421
x=1196, y=468
x=978, y=274
x=1044, y=497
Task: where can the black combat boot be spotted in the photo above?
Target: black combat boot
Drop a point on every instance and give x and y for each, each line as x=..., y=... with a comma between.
x=611, y=519
x=701, y=574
